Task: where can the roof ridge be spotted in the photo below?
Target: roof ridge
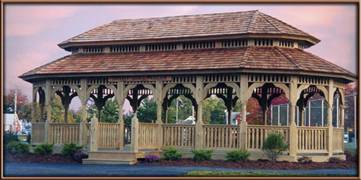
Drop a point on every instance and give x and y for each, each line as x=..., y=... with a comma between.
x=261, y=14
x=187, y=15
x=252, y=20
x=328, y=62
x=42, y=66
x=288, y=58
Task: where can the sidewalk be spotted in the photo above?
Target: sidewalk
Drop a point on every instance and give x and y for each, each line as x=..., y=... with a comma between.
x=38, y=169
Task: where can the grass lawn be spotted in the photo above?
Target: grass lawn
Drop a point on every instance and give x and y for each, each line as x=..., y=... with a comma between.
x=248, y=174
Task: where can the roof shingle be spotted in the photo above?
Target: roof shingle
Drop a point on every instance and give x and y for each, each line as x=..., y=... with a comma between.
x=266, y=58
x=232, y=23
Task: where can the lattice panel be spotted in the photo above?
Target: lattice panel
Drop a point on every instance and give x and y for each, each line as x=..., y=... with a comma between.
x=284, y=43
x=272, y=90
x=313, y=80
x=199, y=45
x=105, y=91
x=234, y=43
x=125, y=48
x=141, y=92
x=65, y=82
x=160, y=47
x=221, y=78
x=216, y=90
x=268, y=78
x=93, y=50
x=263, y=42
x=183, y=91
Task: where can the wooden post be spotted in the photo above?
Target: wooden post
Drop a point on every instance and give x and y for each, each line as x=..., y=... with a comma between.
x=48, y=94
x=82, y=125
x=120, y=99
x=329, y=118
x=242, y=126
x=135, y=128
x=159, y=101
x=199, y=123
x=293, y=139
x=94, y=134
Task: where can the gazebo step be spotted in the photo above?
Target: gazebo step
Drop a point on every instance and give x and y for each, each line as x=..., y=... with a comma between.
x=108, y=161
x=113, y=155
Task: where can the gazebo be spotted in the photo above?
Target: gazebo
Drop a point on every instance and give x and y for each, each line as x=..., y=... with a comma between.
x=235, y=56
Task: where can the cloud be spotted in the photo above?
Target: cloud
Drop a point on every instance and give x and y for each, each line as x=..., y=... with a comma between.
x=28, y=20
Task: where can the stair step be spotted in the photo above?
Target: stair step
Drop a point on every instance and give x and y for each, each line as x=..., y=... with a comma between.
x=113, y=155
x=108, y=161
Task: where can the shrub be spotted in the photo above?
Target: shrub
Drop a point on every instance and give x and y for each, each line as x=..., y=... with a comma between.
x=16, y=147
x=274, y=145
x=171, y=153
x=202, y=155
x=70, y=149
x=304, y=160
x=237, y=155
x=79, y=155
x=151, y=158
x=334, y=160
x=43, y=149
x=10, y=137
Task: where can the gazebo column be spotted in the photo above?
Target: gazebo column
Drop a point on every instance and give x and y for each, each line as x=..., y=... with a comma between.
x=94, y=134
x=120, y=99
x=293, y=139
x=242, y=126
x=159, y=101
x=48, y=99
x=33, y=106
x=83, y=113
x=199, y=124
x=329, y=117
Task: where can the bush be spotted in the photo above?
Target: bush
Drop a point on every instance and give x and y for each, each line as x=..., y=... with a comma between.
x=237, y=155
x=334, y=160
x=70, y=149
x=274, y=145
x=171, y=153
x=202, y=155
x=10, y=137
x=15, y=147
x=151, y=158
x=304, y=160
x=43, y=149
x=79, y=155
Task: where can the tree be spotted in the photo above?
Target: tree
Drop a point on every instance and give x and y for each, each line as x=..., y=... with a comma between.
x=147, y=111
x=213, y=111
x=184, y=109
x=22, y=102
x=109, y=112
x=57, y=113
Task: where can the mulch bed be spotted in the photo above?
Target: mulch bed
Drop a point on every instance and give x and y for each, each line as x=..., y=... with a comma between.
x=261, y=164
x=33, y=158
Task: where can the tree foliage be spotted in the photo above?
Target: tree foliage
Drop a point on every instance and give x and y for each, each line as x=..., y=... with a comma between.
x=23, y=104
x=147, y=111
x=214, y=111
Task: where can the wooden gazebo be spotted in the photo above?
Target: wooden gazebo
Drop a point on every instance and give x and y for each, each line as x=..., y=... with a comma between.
x=236, y=56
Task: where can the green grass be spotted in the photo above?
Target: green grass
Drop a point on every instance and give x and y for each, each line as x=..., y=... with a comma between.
x=247, y=174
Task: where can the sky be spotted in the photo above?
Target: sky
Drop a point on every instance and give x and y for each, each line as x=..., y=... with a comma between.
x=32, y=32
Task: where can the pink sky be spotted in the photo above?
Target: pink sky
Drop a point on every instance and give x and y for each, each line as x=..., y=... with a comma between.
x=32, y=32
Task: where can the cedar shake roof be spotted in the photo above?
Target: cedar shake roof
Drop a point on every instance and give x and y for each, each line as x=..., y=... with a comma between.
x=248, y=58
x=203, y=25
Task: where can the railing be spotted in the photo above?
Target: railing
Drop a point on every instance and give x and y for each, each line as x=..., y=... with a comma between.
x=148, y=135
x=38, y=133
x=312, y=139
x=337, y=139
x=256, y=135
x=220, y=136
x=62, y=133
x=108, y=135
x=178, y=135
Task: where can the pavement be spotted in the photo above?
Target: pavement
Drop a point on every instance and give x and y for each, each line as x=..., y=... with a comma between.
x=58, y=169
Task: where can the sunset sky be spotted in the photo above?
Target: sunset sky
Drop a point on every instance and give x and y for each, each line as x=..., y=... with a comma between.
x=32, y=32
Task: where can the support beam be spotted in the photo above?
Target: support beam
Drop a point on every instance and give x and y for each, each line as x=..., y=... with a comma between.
x=48, y=99
x=329, y=117
x=134, y=131
x=83, y=99
x=159, y=101
x=242, y=125
x=199, y=124
x=120, y=100
x=293, y=128
x=94, y=134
